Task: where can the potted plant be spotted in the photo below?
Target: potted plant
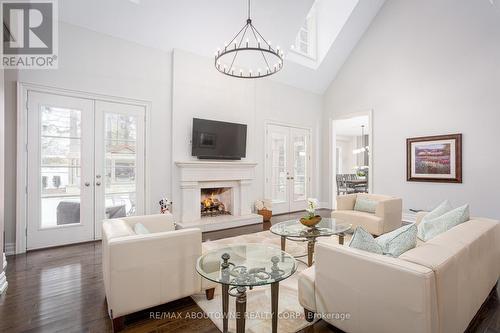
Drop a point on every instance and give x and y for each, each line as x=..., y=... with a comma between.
x=311, y=219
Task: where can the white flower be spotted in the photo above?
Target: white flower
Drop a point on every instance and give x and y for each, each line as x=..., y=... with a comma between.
x=312, y=202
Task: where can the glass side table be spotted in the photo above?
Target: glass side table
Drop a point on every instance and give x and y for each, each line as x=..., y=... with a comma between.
x=295, y=231
x=244, y=266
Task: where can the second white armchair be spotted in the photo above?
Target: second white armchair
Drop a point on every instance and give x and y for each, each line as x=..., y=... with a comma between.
x=387, y=216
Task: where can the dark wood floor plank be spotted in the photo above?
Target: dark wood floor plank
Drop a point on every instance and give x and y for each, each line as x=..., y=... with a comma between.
x=61, y=290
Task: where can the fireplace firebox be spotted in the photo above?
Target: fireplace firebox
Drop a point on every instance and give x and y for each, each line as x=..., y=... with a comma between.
x=215, y=201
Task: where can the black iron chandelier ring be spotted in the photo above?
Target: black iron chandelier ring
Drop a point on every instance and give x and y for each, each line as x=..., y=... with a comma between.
x=251, y=75
x=271, y=62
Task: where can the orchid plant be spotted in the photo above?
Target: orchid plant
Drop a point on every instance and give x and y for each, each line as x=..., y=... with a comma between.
x=312, y=205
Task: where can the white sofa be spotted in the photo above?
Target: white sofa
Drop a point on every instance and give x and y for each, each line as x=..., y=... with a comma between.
x=142, y=271
x=436, y=287
x=387, y=217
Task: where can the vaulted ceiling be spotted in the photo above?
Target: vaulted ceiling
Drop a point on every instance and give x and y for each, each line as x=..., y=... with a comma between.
x=200, y=26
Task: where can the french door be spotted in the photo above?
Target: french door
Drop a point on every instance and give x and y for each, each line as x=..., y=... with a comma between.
x=288, y=171
x=85, y=164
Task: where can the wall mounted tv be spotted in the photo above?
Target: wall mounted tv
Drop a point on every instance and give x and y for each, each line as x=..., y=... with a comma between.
x=218, y=140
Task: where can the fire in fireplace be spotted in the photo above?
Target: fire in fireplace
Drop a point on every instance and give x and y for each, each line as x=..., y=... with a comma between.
x=215, y=201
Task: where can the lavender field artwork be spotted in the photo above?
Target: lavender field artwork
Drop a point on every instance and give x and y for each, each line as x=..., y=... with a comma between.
x=435, y=159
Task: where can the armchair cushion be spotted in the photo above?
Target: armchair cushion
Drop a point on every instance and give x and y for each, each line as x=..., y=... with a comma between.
x=365, y=205
x=153, y=223
x=140, y=229
x=117, y=228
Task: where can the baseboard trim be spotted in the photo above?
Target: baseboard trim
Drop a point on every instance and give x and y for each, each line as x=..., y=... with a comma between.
x=324, y=205
x=10, y=249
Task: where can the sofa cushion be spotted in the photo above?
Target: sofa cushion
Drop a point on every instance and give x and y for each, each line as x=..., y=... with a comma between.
x=365, y=205
x=430, y=228
x=363, y=240
x=398, y=241
x=117, y=228
x=442, y=208
x=140, y=229
x=306, y=289
x=370, y=222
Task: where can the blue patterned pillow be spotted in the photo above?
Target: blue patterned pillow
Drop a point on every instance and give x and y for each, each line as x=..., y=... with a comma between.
x=365, y=205
x=397, y=242
x=430, y=228
x=363, y=240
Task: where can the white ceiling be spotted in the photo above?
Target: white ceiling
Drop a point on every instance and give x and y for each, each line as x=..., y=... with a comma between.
x=201, y=26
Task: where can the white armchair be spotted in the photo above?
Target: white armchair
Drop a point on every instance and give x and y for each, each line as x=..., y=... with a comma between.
x=144, y=270
x=387, y=217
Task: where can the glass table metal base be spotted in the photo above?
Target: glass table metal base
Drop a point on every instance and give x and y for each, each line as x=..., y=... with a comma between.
x=311, y=241
x=241, y=267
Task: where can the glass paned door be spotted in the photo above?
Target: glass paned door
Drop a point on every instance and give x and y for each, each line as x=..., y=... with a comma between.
x=85, y=164
x=287, y=167
x=119, y=161
x=60, y=162
x=300, y=175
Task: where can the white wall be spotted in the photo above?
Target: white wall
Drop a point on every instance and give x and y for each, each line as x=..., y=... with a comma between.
x=427, y=68
x=347, y=144
x=200, y=91
x=97, y=63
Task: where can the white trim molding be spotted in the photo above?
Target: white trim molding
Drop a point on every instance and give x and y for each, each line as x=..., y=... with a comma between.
x=3, y=278
x=332, y=188
x=10, y=249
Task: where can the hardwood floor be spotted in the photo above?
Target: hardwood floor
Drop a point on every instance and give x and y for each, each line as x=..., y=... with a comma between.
x=61, y=290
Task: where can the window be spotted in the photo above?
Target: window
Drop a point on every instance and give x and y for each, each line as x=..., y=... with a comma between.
x=305, y=42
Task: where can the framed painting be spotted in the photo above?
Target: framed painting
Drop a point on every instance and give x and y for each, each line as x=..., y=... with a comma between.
x=434, y=159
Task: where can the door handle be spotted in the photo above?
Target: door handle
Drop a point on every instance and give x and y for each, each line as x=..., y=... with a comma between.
x=98, y=183
x=87, y=184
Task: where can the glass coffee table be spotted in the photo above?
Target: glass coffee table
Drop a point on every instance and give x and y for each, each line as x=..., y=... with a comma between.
x=239, y=267
x=294, y=230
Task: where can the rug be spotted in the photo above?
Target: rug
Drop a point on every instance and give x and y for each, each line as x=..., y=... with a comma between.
x=291, y=318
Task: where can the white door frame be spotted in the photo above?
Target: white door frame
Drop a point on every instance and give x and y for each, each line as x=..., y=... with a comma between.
x=22, y=142
x=333, y=152
x=312, y=139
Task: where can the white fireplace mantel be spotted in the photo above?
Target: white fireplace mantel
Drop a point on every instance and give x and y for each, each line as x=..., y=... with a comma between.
x=195, y=175
x=213, y=171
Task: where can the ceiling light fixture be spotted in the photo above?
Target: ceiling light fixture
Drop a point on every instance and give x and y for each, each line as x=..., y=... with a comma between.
x=249, y=48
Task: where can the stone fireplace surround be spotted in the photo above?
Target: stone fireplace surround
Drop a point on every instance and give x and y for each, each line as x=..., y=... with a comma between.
x=195, y=175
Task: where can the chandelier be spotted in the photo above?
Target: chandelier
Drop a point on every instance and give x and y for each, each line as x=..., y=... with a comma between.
x=249, y=55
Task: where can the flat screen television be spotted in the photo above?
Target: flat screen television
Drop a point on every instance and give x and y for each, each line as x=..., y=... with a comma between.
x=218, y=140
